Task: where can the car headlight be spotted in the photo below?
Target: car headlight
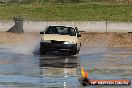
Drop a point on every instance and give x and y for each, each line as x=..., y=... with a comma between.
x=47, y=41
x=68, y=43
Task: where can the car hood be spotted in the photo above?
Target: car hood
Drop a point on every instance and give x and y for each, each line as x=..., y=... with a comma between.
x=58, y=37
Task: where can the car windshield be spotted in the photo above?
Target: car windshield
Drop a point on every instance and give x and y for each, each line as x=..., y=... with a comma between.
x=60, y=30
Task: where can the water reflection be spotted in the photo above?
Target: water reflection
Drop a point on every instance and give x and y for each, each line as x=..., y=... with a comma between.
x=58, y=61
x=59, y=71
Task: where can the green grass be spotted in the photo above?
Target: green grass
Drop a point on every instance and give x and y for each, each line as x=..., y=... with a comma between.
x=69, y=12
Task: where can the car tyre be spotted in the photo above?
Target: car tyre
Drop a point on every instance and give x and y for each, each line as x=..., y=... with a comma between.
x=78, y=50
x=42, y=50
x=74, y=52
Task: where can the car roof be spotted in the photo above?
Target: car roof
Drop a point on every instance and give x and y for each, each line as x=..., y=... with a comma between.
x=62, y=26
x=56, y=26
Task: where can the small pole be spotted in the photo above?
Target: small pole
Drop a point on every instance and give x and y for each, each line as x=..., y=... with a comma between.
x=106, y=26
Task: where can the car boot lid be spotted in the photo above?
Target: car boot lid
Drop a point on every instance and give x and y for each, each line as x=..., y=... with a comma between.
x=58, y=37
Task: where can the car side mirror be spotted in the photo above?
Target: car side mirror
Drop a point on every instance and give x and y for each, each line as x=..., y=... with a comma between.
x=78, y=35
x=41, y=32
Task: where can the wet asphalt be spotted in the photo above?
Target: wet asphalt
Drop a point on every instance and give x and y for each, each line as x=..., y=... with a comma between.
x=21, y=66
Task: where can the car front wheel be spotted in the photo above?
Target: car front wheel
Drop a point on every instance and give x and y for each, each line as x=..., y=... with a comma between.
x=42, y=50
x=75, y=51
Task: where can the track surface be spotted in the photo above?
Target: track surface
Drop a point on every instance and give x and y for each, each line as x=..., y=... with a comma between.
x=21, y=66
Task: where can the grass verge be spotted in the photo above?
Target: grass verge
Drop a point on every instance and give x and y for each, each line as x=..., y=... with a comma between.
x=69, y=12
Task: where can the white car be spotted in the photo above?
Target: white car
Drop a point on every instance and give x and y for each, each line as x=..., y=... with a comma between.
x=60, y=38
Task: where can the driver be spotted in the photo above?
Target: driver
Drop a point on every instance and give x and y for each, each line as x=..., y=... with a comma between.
x=69, y=31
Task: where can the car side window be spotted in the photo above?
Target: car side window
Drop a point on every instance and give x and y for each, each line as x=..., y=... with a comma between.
x=71, y=31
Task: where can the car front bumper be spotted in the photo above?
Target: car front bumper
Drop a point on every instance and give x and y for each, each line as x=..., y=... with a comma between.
x=58, y=47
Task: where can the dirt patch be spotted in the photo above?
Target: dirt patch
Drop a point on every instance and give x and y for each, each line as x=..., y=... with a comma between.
x=112, y=39
x=6, y=37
